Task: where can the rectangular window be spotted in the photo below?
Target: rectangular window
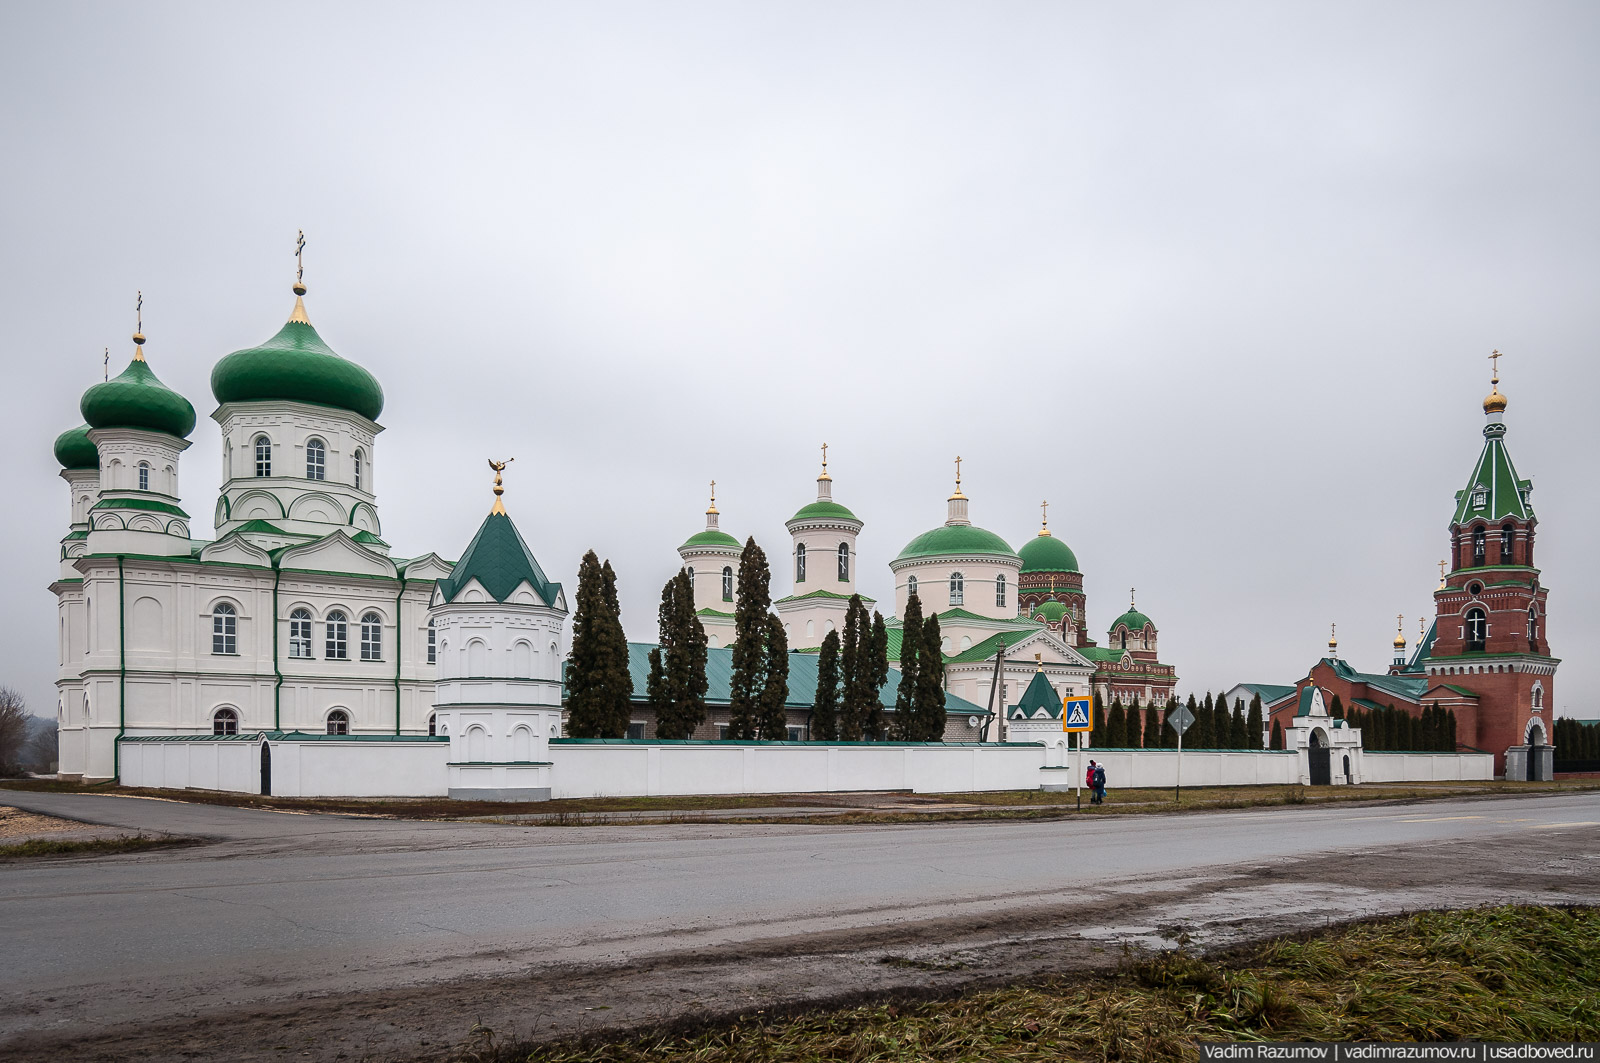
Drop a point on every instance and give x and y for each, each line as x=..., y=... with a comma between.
x=797, y=734
x=722, y=732
x=636, y=730
x=300, y=637
x=224, y=632
x=336, y=648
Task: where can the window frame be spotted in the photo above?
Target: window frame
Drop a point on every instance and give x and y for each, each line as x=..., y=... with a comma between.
x=911, y=586
x=144, y=475
x=958, y=590
x=799, y=562
x=1480, y=547
x=1000, y=591
x=316, y=459
x=337, y=723
x=357, y=463
x=844, y=562
x=371, y=636
x=225, y=721
x=1475, y=630
x=336, y=632
x=224, y=630
x=301, y=627
x=433, y=642
x=1508, y=544
x=727, y=583
x=262, y=445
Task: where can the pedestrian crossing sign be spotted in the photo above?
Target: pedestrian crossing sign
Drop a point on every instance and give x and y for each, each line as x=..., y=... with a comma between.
x=1077, y=714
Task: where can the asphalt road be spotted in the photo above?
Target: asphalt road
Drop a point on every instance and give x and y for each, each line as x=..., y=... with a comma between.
x=282, y=904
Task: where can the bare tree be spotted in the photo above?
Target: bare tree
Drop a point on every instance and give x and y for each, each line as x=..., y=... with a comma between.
x=42, y=752
x=14, y=730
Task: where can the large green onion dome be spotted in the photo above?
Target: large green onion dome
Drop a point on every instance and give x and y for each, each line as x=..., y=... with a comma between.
x=964, y=539
x=74, y=449
x=1045, y=553
x=298, y=366
x=136, y=399
x=1135, y=620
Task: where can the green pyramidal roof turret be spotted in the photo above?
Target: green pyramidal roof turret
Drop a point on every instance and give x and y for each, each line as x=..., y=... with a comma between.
x=1494, y=491
x=499, y=560
x=298, y=366
x=1040, y=695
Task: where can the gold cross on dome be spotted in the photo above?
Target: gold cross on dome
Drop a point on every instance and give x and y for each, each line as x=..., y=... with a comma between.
x=713, y=492
x=958, y=472
x=824, y=457
x=1495, y=356
x=299, y=253
x=1441, y=569
x=138, y=311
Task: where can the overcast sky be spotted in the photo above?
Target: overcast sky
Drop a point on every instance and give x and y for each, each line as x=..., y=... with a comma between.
x=1218, y=280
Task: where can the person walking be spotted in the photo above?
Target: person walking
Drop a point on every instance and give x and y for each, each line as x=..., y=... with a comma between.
x=1089, y=784
x=1099, y=784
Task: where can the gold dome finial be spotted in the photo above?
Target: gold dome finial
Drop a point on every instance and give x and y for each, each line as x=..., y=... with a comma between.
x=824, y=475
x=138, y=328
x=498, y=467
x=1130, y=600
x=1400, y=632
x=711, y=511
x=1333, y=639
x=299, y=314
x=1044, y=518
x=1442, y=566
x=1038, y=659
x=958, y=493
x=1495, y=402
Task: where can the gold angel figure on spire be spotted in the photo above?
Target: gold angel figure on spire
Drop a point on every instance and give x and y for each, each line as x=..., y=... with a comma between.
x=499, y=489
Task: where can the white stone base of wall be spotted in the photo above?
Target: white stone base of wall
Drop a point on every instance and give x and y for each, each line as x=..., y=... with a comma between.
x=301, y=766
x=1427, y=767
x=499, y=782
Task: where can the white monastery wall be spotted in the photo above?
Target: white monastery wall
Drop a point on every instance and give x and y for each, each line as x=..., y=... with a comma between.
x=321, y=767
x=1427, y=767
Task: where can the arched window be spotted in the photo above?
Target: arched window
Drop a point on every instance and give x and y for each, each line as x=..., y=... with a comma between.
x=1000, y=590
x=1538, y=697
x=1122, y=639
x=690, y=571
x=263, y=456
x=371, y=637
x=799, y=562
x=911, y=586
x=1480, y=549
x=338, y=637
x=1477, y=629
x=1508, y=538
x=844, y=562
x=316, y=460
x=433, y=642
x=358, y=470
x=225, y=722
x=338, y=722
x=144, y=476
x=727, y=584
x=433, y=724
x=1533, y=629
x=224, y=629
x=958, y=589
x=300, y=633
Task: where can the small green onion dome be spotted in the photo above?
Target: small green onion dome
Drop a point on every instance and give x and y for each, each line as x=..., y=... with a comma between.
x=1135, y=620
x=1052, y=611
x=136, y=399
x=823, y=509
x=1046, y=553
x=74, y=449
x=298, y=366
x=963, y=539
x=711, y=537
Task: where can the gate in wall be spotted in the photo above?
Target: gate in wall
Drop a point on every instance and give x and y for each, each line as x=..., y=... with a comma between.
x=266, y=769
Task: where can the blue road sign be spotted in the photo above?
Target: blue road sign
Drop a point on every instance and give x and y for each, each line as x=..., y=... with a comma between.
x=1077, y=714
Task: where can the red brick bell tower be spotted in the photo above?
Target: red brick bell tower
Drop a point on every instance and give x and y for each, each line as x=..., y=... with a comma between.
x=1490, y=660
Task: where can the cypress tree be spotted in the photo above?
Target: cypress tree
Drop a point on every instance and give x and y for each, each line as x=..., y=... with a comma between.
x=1430, y=733
x=1277, y=735
x=1117, y=726
x=771, y=717
x=1134, y=735
x=874, y=721
x=655, y=687
x=825, y=712
x=908, y=725
x=749, y=642
x=1152, y=727
x=851, y=708
x=1336, y=710
x=1169, y=737
x=677, y=684
x=1207, y=738
x=1195, y=737
x=1241, y=726
x=587, y=705
x=930, y=682
x=1252, y=727
x=1097, y=726
x=617, y=684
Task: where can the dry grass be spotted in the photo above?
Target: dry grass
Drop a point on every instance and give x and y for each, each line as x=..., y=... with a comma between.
x=1494, y=974
x=91, y=847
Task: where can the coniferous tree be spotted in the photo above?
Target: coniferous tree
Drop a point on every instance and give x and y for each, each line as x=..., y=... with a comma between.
x=655, y=688
x=1097, y=726
x=1134, y=733
x=908, y=726
x=1252, y=728
x=930, y=682
x=771, y=717
x=1429, y=734
x=678, y=685
x=1336, y=710
x=825, y=711
x=1241, y=726
x=1206, y=728
x=1169, y=737
x=1117, y=726
x=1152, y=727
x=1192, y=736
x=749, y=643
x=874, y=721
x=852, y=708
x=586, y=661
x=1277, y=735
x=618, y=684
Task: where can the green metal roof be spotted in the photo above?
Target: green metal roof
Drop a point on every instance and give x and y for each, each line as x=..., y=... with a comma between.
x=1135, y=620
x=824, y=594
x=74, y=450
x=958, y=540
x=1101, y=654
x=1039, y=695
x=150, y=504
x=715, y=613
x=1418, y=665
x=262, y=527
x=1399, y=685
x=1046, y=553
x=368, y=538
x=1495, y=480
x=297, y=365
x=1268, y=692
x=712, y=537
x=499, y=560
x=823, y=509
x=1052, y=611
x=137, y=399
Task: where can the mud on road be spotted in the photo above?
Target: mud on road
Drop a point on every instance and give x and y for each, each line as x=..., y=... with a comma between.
x=1009, y=940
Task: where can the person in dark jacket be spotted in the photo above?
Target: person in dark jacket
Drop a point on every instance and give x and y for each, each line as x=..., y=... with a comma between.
x=1099, y=784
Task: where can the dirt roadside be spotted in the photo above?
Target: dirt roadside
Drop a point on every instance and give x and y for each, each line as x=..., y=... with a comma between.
x=1220, y=908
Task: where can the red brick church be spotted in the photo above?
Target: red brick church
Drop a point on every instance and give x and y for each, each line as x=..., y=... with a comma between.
x=1487, y=655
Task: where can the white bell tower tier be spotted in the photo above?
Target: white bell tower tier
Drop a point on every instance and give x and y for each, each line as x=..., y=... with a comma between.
x=498, y=623
x=823, y=565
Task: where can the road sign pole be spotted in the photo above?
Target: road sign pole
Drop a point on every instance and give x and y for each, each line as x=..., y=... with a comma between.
x=1077, y=769
x=1177, y=794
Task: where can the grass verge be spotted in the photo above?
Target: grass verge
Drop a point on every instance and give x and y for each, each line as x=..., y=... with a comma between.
x=1490, y=974
x=97, y=847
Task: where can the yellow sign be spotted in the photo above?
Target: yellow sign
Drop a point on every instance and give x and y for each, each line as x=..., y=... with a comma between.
x=1077, y=714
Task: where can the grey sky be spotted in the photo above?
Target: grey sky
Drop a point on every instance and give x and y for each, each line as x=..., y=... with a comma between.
x=1219, y=280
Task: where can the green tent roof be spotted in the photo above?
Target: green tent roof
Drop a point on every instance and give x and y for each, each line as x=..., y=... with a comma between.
x=1493, y=491
x=1039, y=695
x=297, y=365
x=958, y=539
x=499, y=560
x=712, y=537
x=74, y=450
x=1046, y=553
x=823, y=509
x=137, y=399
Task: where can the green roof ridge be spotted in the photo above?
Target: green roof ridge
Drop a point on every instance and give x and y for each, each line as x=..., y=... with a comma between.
x=499, y=560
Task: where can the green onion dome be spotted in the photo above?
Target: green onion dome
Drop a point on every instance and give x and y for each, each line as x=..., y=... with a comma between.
x=1046, y=553
x=823, y=509
x=711, y=537
x=1135, y=620
x=1051, y=611
x=74, y=449
x=962, y=539
x=298, y=366
x=136, y=399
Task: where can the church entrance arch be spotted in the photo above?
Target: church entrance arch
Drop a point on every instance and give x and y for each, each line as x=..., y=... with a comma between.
x=1321, y=758
x=1535, y=739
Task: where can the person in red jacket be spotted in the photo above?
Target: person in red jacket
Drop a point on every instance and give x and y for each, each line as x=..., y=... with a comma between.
x=1088, y=781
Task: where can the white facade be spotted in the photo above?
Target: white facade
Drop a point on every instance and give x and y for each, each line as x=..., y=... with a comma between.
x=711, y=558
x=822, y=569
